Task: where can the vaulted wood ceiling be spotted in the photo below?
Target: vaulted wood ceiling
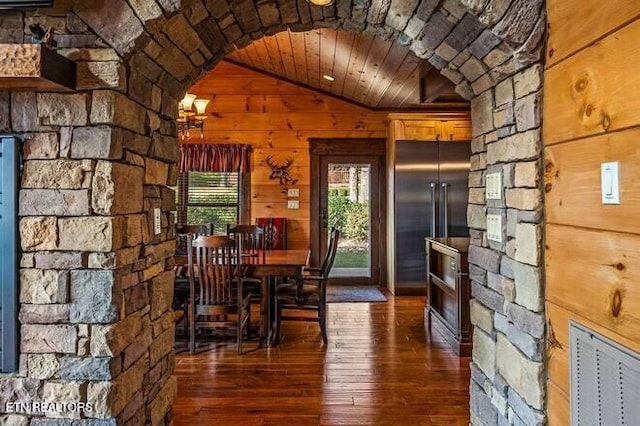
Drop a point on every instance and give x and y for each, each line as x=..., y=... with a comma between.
x=366, y=69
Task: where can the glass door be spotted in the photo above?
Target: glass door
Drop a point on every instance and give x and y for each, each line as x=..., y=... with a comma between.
x=350, y=201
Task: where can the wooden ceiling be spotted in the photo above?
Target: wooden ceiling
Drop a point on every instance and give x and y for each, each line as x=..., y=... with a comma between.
x=366, y=69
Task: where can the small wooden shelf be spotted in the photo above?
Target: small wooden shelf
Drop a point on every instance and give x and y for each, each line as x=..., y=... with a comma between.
x=441, y=284
x=448, y=291
x=34, y=67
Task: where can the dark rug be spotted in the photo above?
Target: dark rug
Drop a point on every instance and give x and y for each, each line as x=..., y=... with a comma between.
x=354, y=293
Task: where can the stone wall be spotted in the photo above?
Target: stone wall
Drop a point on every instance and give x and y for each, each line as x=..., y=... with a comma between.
x=96, y=283
x=508, y=369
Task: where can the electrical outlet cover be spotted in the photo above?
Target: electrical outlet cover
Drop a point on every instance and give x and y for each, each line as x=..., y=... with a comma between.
x=493, y=186
x=157, y=221
x=293, y=204
x=293, y=192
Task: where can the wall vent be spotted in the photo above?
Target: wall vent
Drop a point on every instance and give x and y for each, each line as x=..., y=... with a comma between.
x=605, y=380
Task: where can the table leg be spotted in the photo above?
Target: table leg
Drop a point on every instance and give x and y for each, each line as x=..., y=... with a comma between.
x=264, y=311
x=272, y=283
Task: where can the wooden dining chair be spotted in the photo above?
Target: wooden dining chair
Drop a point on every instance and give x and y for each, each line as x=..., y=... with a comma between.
x=308, y=293
x=252, y=238
x=220, y=302
x=181, y=283
x=253, y=243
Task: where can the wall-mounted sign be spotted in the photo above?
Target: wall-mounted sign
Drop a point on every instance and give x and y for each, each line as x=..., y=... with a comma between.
x=15, y=4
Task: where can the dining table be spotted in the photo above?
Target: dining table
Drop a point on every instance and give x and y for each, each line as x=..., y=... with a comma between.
x=269, y=266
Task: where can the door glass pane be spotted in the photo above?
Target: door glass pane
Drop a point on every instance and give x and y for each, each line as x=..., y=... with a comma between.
x=349, y=211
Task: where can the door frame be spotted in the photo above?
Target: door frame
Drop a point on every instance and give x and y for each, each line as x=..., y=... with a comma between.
x=376, y=147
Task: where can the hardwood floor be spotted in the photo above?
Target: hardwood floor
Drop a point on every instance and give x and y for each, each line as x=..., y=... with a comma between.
x=381, y=367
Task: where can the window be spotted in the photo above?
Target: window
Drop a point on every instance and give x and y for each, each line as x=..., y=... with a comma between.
x=212, y=197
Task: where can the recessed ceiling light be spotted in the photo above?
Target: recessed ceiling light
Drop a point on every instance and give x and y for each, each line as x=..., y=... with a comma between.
x=328, y=77
x=321, y=2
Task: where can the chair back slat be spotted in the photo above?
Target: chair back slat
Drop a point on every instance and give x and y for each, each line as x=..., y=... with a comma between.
x=330, y=255
x=182, y=231
x=250, y=238
x=205, y=229
x=214, y=265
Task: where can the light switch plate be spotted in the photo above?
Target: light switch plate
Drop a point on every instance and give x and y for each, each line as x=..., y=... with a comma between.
x=157, y=221
x=494, y=227
x=293, y=192
x=610, y=182
x=293, y=204
x=493, y=185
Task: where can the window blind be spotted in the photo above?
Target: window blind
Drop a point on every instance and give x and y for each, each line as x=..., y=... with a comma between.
x=209, y=198
x=212, y=189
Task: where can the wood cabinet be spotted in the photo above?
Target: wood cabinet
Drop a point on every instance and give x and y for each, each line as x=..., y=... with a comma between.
x=449, y=291
x=430, y=126
x=456, y=130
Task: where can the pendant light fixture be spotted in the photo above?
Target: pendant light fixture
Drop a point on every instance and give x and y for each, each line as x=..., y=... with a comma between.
x=188, y=119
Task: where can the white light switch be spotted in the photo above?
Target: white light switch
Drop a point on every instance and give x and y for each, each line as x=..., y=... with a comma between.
x=293, y=192
x=494, y=227
x=293, y=204
x=493, y=186
x=157, y=222
x=610, y=183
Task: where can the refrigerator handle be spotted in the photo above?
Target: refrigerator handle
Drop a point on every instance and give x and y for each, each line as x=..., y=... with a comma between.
x=433, y=209
x=445, y=222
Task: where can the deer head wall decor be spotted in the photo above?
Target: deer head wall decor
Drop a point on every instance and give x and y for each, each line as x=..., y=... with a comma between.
x=281, y=172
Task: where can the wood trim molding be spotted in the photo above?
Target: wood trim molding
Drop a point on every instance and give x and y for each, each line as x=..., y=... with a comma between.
x=430, y=116
x=366, y=146
x=375, y=147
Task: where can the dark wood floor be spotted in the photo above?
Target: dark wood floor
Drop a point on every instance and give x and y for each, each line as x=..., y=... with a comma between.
x=381, y=367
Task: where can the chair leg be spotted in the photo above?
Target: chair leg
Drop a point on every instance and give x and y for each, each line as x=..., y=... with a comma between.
x=322, y=316
x=278, y=322
x=192, y=334
x=249, y=320
x=187, y=313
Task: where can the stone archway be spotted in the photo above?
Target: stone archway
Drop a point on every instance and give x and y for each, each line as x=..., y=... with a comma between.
x=97, y=283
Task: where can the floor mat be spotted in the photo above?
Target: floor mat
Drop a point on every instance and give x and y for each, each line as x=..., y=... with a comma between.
x=354, y=293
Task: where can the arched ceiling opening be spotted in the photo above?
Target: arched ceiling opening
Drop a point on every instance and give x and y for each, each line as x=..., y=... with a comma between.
x=360, y=67
x=474, y=43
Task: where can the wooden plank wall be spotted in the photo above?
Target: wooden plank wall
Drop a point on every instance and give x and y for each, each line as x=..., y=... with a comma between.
x=278, y=118
x=591, y=104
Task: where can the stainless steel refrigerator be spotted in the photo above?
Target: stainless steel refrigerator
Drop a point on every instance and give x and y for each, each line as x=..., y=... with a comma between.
x=431, y=192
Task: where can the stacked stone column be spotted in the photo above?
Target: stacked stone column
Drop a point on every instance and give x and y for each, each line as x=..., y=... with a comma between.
x=96, y=283
x=508, y=368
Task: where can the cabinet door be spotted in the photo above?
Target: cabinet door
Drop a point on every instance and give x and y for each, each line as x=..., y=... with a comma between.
x=456, y=130
x=418, y=130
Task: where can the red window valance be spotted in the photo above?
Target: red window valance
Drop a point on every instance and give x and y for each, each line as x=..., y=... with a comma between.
x=214, y=158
